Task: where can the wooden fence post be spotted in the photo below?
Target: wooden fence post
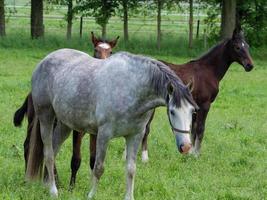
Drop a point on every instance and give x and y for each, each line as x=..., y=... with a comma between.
x=81, y=26
x=198, y=23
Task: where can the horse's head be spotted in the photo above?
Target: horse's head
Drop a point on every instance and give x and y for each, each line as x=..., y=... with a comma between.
x=239, y=50
x=180, y=117
x=103, y=48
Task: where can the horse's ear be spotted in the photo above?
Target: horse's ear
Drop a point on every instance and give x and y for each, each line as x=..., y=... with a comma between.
x=190, y=85
x=237, y=33
x=170, y=88
x=114, y=42
x=94, y=39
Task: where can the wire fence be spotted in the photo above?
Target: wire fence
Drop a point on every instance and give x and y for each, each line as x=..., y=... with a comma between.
x=172, y=23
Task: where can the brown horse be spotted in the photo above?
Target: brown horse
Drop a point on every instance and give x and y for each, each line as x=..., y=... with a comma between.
x=206, y=73
x=102, y=49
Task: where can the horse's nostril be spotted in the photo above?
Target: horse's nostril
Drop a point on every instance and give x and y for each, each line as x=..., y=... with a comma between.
x=249, y=67
x=185, y=148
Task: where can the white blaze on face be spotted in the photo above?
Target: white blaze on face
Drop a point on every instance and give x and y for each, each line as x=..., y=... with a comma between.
x=243, y=44
x=181, y=118
x=104, y=45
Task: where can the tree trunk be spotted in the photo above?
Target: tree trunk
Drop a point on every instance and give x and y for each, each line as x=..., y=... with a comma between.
x=104, y=31
x=37, y=26
x=125, y=20
x=159, y=2
x=191, y=24
x=2, y=18
x=69, y=19
x=228, y=19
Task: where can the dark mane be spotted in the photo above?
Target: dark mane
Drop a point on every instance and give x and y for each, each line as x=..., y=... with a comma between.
x=161, y=76
x=211, y=50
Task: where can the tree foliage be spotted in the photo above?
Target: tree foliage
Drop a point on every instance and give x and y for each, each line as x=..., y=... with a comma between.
x=2, y=18
x=252, y=16
x=101, y=10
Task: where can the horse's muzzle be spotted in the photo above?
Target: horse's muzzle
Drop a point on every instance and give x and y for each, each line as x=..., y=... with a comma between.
x=185, y=148
x=248, y=67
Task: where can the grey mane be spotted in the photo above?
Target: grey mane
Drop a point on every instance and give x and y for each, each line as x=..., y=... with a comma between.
x=161, y=76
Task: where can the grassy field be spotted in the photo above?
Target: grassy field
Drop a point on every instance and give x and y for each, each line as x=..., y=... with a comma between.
x=233, y=164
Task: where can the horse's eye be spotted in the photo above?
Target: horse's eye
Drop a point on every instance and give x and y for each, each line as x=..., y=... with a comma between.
x=110, y=52
x=172, y=112
x=237, y=48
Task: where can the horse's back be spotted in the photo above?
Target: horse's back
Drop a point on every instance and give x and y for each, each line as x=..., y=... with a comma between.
x=57, y=66
x=64, y=58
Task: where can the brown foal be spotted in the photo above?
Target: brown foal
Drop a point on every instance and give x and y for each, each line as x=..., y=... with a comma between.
x=206, y=73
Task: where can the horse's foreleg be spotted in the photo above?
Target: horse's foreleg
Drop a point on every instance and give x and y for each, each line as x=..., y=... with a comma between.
x=93, y=139
x=132, y=143
x=193, y=133
x=200, y=127
x=46, y=127
x=144, y=141
x=103, y=138
x=76, y=156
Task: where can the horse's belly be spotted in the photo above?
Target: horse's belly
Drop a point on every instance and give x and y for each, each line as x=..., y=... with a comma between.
x=131, y=126
x=76, y=119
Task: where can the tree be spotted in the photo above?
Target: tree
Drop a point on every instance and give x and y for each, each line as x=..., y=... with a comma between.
x=37, y=26
x=160, y=5
x=228, y=18
x=69, y=18
x=159, y=8
x=125, y=20
x=190, y=23
x=252, y=15
x=102, y=10
x=69, y=15
x=2, y=18
x=127, y=5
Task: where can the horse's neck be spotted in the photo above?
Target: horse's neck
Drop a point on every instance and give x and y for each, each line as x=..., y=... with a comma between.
x=151, y=104
x=218, y=61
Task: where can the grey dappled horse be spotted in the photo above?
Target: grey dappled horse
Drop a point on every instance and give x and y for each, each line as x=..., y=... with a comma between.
x=110, y=98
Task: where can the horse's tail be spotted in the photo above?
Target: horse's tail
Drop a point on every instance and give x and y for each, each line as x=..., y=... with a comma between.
x=35, y=155
x=20, y=113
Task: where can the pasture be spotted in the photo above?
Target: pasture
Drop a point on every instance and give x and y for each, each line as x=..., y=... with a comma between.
x=233, y=163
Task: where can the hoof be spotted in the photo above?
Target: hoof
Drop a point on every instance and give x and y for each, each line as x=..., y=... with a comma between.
x=53, y=191
x=128, y=197
x=90, y=195
x=193, y=151
x=144, y=156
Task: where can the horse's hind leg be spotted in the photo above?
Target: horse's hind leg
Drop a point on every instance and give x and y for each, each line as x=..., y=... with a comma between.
x=93, y=139
x=76, y=156
x=132, y=143
x=144, y=141
x=47, y=117
x=103, y=138
x=60, y=134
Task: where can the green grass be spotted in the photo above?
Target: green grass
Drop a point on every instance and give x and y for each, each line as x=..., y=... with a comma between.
x=233, y=164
